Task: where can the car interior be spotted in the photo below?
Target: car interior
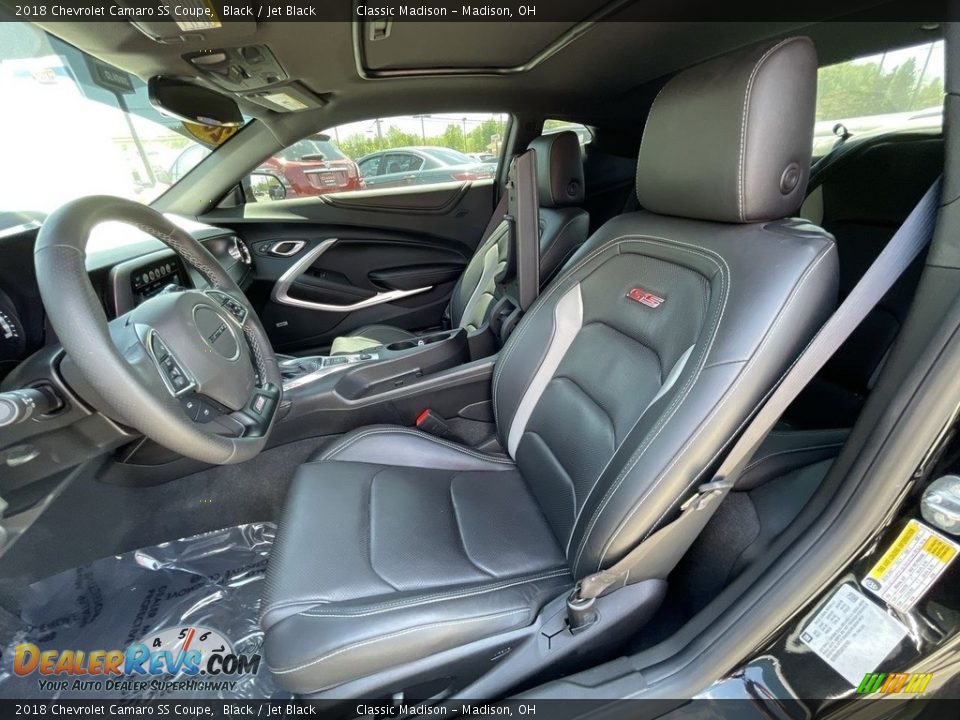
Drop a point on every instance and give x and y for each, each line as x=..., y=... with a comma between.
x=441, y=462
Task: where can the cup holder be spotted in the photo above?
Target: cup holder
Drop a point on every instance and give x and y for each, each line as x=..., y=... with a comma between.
x=422, y=341
x=430, y=339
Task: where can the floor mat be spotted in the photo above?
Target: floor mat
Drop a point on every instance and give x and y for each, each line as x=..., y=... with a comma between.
x=194, y=598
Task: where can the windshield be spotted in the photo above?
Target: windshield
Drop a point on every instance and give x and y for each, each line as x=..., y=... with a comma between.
x=73, y=126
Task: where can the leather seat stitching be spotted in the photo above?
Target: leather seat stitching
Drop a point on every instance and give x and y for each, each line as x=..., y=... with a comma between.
x=724, y=272
x=554, y=244
x=763, y=458
x=399, y=633
x=370, y=526
x=427, y=599
x=730, y=393
x=456, y=519
x=636, y=179
x=592, y=400
x=743, y=121
x=538, y=304
x=334, y=451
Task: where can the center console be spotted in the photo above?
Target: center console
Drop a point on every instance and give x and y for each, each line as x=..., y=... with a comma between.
x=447, y=371
x=303, y=371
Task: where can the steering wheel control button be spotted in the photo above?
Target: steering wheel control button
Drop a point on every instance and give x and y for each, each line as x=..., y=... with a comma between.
x=216, y=332
x=191, y=406
x=258, y=404
x=199, y=410
x=236, y=309
x=174, y=377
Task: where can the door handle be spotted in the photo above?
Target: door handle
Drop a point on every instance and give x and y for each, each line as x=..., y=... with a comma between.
x=285, y=248
x=281, y=291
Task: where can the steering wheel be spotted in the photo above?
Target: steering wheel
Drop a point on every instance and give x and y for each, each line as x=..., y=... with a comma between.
x=190, y=369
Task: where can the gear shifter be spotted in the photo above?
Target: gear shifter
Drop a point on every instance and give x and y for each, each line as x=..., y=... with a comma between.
x=294, y=367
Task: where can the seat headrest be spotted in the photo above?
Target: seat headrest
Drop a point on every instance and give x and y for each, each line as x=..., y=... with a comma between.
x=730, y=139
x=559, y=169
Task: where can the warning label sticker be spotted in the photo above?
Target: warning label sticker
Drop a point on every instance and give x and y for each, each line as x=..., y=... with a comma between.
x=852, y=634
x=910, y=566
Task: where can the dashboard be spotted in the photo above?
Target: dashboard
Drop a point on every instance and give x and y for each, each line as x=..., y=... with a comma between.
x=123, y=275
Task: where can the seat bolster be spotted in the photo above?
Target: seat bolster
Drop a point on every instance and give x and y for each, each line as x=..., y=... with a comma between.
x=322, y=647
x=367, y=337
x=784, y=451
x=563, y=231
x=399, y=446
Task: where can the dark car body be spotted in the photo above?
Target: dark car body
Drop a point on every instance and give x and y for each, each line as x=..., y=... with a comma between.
x=402, y=166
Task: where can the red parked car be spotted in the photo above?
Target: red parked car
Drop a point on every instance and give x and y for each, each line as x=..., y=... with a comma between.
x=313, y=166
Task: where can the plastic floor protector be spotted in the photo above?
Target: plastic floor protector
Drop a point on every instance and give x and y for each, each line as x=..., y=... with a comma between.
x=184, y=612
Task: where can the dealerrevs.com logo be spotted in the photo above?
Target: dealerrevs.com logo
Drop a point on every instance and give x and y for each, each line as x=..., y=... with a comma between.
x=197, y=657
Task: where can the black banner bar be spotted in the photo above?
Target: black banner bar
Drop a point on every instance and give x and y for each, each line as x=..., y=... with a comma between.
x=739, y=709
x=203, y=15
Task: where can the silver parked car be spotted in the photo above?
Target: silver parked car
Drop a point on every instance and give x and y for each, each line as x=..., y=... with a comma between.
x=402, y=166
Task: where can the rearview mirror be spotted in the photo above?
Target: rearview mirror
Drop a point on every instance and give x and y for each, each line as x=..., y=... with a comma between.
x=193, y=103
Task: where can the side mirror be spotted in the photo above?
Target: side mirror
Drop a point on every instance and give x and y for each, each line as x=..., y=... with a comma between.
x=193, y=103
x=267, y=186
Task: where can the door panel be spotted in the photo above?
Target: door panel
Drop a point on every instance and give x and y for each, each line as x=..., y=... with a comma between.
x=327, y=265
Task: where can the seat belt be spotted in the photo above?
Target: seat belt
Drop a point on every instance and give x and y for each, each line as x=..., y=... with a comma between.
x=660, y=552
x=523, y=214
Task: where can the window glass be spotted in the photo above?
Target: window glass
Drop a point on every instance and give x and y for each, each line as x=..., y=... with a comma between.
x=383, y=153
x=402, y=162
x=71, y=125
x=370, y=166
x=582, y=131
x=896, y=90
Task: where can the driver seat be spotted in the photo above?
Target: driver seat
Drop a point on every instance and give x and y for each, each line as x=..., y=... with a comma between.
x=411, y=566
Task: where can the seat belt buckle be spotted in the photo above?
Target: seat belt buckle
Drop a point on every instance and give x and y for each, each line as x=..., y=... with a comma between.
x=429, y=422
x=581, y=612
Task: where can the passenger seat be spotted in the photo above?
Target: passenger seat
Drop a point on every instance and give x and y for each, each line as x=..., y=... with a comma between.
x=563, y=228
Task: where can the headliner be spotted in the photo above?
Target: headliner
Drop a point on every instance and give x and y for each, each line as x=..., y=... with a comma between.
x=603, y=76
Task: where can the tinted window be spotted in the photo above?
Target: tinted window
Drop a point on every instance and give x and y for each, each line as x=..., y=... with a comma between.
x=426, y=149
x=401, y=162
x=896, y=90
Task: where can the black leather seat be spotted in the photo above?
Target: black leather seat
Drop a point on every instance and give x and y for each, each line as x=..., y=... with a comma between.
x=563, y=229
x=405, y=563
